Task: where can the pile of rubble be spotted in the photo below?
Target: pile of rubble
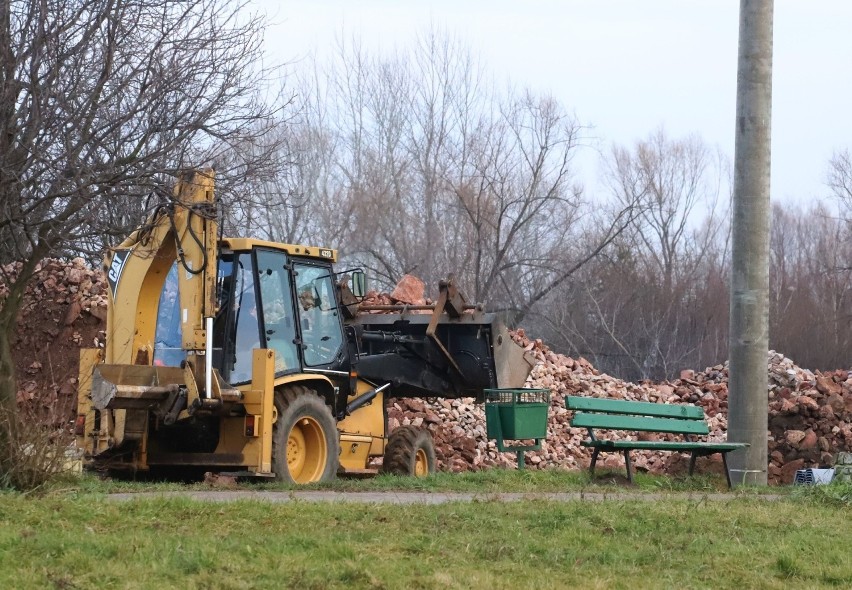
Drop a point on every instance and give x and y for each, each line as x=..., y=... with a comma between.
x=63, y=309
x=57, y=281
x=810, y=416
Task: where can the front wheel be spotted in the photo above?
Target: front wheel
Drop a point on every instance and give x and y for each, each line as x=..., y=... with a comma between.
x=305, y=442
x=410, y=451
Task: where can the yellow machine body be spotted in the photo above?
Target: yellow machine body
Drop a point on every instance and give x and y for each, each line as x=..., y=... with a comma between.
x=120, y=387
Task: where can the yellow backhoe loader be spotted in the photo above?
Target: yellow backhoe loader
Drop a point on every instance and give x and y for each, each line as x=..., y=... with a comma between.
x=255, y=358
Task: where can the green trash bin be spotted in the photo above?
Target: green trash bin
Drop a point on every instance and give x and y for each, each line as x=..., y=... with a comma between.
x=517, y=414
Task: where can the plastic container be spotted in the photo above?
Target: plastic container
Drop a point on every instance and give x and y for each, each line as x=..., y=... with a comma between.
x=516, y=414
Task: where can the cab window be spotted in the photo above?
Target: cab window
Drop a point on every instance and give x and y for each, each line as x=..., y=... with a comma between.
x=322, y=334
x=246, y=325
x=277, y=309
x=167, y=345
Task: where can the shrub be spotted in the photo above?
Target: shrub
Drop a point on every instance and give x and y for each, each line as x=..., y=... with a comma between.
x=36, y=444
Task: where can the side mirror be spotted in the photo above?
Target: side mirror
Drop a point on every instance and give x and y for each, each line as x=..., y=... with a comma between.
x=359, y=283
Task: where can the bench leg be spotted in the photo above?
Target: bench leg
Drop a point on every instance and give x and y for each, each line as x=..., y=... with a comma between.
x=727, y=473
x=592, y=464
x=627, y=463
x=692, y=462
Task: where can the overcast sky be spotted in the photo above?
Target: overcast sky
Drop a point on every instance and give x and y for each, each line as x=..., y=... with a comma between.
x=627, y=67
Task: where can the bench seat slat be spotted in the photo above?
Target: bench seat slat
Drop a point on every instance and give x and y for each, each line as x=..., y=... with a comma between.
x=639, y=423
x=661, y=445
x=614, y=406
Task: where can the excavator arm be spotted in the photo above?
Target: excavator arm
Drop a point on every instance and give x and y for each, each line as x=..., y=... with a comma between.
x=182, y=230
x=183, y=233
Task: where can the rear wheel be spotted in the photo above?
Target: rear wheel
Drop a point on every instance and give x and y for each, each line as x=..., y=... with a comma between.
x=305, y=442
x=410, y=451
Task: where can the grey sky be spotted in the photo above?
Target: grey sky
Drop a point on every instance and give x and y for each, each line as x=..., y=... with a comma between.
x=628, y=67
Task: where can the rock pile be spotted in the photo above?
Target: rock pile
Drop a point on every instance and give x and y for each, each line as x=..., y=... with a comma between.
x=61, y=282
x=64, y=308
x=810, y=416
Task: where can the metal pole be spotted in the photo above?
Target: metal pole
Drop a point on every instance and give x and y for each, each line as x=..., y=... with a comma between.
x=749, y=328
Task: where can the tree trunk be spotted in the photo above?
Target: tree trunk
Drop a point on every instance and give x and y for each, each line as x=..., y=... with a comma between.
x=9, y=310
x=8, y=384
x=8, y=395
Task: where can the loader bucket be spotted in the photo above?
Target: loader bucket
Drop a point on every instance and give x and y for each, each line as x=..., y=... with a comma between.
x=512, y=363
x=133, y=387
x=425, y=356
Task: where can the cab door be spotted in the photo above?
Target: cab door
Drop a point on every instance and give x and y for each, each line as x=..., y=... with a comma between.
x=277, y=311
x=319, y=316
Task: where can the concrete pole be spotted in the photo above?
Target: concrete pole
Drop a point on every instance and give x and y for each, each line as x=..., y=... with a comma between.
x=749, y=330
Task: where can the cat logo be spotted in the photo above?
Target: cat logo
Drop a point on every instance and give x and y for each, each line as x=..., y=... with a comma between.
x=115, y=269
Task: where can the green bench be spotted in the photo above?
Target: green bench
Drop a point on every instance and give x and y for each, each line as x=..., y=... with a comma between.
x=609, y=414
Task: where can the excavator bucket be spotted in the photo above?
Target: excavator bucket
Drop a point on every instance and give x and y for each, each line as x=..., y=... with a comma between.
x=449, y=349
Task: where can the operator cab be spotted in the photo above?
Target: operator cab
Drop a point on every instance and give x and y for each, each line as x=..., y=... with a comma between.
x=273, y=296
x=270, y=299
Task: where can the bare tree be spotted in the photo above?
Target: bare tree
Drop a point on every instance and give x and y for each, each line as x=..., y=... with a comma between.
x=430, y=169
x=100, y=102
x=840, y=178
x=518, y=197
x=810, y=286
x=672, y=178
x=646, y=306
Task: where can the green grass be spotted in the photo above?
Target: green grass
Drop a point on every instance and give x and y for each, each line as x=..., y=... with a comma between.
x=485, y=482
x=82, y=540
x=71, y=536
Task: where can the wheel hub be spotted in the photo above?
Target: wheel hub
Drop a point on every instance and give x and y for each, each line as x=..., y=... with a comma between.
x=421, y=464
x=307, y=453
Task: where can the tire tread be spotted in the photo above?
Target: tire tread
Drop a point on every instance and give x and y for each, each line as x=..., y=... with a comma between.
x=286, y=397
x=402, y=447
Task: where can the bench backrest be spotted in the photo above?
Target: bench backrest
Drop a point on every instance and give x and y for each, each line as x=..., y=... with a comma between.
x=610, y=414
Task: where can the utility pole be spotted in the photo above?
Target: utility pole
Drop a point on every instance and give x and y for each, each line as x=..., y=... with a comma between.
x=748, y=410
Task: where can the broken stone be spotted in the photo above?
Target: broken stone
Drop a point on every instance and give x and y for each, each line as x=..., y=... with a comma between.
x=409, y=290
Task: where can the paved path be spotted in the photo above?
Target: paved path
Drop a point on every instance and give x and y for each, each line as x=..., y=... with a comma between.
x=432, y=497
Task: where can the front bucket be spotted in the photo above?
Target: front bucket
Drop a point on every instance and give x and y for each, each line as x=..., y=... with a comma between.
x=464, y=355
x=512, y=363
x=133, y=387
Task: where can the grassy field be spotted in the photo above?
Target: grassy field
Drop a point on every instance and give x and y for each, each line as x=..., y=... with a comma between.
x=73, y=537
x=489, y=481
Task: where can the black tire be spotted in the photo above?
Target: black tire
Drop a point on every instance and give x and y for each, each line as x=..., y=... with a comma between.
x=305, y=441
x=410, y=451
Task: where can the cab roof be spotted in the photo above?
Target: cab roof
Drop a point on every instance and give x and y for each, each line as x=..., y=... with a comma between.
x=316, y=252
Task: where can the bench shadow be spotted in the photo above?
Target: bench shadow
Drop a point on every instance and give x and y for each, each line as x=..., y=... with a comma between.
x=610, y=478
